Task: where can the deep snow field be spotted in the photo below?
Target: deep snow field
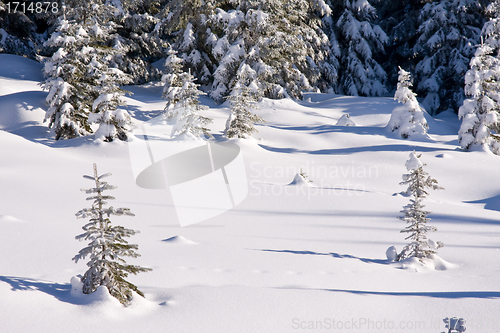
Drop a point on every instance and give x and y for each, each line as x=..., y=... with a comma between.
x=288, y=258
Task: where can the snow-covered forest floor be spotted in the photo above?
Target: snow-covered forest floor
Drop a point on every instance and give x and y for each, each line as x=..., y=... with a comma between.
x=287, y=259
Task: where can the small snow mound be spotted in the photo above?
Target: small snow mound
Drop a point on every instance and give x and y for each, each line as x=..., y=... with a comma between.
x=391, y=253
x=432, y=244
x=434, y=262
x=299, y=180
x=443, y=156
x=345, y=121
x=101, y=293
x=76, y=287
x=8, y=218
x=179, y=240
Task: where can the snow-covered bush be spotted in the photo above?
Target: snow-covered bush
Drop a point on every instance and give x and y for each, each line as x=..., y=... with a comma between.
x=408, y=120
x=480, y=123
x=184, y=108
x=414, y=215
x=107, y=245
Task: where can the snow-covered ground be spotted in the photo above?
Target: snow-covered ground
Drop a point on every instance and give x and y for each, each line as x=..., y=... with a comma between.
x=290, y=258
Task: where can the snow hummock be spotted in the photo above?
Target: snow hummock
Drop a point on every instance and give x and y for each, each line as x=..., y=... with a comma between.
x=345, y=121
x=8, y=218
x=391, y=253
x=179, y=240
x=299, y=180
x=434, y=262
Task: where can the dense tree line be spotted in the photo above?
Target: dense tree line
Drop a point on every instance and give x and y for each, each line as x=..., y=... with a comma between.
x=281, y=48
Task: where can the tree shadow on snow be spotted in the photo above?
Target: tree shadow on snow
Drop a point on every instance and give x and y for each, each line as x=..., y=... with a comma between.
x=60, y=291
x=334, y=255
x=448, y=218
x=353, y=150
x=434, y=294
x=492, y=203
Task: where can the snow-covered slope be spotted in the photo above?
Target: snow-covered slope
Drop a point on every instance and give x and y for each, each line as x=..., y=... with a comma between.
x=287, y=259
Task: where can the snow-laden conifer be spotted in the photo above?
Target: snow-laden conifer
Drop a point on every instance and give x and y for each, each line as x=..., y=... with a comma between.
x=407, y=119
x=184, y=108
x=82, y=70
x=355, y=42
x=107, y=246
x=187, y=22
x=172, y=78
x=113, y=122
x=241, y=121
x=447, y=36
x=480, y=112
x=281, y=41
x=415, y=217
x=68, y=92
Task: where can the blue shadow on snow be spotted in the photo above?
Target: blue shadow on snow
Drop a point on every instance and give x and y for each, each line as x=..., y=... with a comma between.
x=333, y=254
x=487, y=294
x=60, y=291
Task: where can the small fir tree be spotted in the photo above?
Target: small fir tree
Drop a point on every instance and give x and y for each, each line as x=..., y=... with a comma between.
x=107, y=245
x=304, y=176
x=407, y=119
x=186, y=107
x=241, y=121
x=113, y=122
x=171, y=78
x=414, y=215
x=66, y=82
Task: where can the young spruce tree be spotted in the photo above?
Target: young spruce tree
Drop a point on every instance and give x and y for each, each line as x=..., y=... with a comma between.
x=414, y=215
x=107, y=245
x=183, y=106
x=407, y=119
x=241, y=121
